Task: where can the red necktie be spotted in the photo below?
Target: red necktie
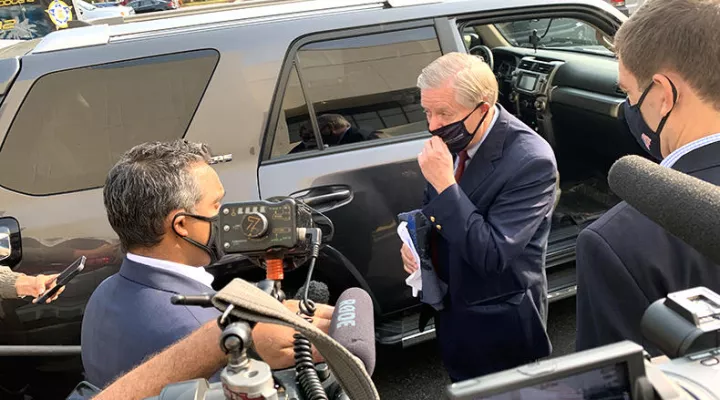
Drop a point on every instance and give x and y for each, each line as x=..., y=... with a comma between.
x=462, y=160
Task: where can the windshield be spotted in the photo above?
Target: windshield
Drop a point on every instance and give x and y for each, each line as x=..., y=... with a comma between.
x=556, y=33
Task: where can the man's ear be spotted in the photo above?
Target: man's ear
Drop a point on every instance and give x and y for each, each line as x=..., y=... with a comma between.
x=178, y=223
x=669, y=93
x=485, y=107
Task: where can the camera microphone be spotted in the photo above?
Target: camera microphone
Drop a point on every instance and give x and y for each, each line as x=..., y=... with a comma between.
x=353, y=325
x=687, y=207
x=317, y=292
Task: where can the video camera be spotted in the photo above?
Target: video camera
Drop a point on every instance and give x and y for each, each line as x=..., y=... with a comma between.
x=684, y=325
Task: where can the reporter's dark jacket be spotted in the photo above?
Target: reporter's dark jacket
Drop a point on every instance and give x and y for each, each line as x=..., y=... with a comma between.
x=492, y=231
x=129, y=317
x=625, y=262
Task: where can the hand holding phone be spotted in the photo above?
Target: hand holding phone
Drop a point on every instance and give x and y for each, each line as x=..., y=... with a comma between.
x=58, y=285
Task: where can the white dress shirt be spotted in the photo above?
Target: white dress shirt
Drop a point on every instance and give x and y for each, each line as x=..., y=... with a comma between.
x=672, y=158
x=195, y=273
x=474, y=148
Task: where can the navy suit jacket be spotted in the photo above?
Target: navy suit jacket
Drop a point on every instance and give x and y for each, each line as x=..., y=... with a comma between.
x=492, y=230
x=129, y=317
x=625, y=262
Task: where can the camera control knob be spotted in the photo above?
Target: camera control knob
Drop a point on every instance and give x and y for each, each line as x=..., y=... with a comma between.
x=254, y=225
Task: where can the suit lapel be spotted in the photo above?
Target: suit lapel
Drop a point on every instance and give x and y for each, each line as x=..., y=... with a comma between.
x=481, y=165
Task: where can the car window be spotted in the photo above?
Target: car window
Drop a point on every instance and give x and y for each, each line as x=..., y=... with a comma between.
x=556, y=33
x=26, y=20
x=75, y=124
x=361, y=88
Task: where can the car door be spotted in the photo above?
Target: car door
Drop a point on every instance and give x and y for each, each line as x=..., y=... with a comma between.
x=348, y=126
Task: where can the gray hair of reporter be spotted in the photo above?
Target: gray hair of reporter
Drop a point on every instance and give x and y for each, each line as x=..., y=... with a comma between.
x=675, y=35
x=149, y=182
x=471, y=78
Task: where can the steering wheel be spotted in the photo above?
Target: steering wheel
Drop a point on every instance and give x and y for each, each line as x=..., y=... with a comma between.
x=487, y=54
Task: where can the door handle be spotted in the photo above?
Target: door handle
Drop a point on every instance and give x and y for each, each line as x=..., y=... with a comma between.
x=326, y=198
x=339, y=195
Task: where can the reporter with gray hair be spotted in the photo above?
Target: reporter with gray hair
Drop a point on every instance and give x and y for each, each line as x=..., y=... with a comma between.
x=489, y=200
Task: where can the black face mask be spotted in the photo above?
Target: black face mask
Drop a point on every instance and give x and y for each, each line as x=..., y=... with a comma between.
x=212, y=248
x=646, y=137
x=455, y=135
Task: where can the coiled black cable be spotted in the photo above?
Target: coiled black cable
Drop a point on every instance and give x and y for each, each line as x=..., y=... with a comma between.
x=305, y=367
x=304, y=364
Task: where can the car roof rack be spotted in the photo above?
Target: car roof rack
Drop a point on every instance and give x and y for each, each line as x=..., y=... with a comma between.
x=245, y=4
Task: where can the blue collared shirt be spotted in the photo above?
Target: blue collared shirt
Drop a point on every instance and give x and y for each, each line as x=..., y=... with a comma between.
x=673, y=157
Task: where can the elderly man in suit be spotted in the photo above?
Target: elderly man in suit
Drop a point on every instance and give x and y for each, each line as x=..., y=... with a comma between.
x=490, y=195
x=625, y=261
x=162, y=200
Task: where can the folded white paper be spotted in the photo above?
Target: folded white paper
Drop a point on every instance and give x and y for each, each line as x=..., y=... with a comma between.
x=415, y=279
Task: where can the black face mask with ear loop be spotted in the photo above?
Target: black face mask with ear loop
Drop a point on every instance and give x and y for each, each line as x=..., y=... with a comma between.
x=646, y=137
x=455, y=135
x=212, y=247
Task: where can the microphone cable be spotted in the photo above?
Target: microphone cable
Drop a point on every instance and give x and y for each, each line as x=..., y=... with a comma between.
x=304, y=363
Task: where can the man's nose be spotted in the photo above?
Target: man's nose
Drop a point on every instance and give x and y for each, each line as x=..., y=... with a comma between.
x=434, y=123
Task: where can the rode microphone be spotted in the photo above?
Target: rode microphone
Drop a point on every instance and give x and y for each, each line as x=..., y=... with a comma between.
x=687, y=207
x=353, y=325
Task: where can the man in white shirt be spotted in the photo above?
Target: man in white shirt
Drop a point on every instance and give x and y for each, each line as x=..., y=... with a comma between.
x=162, y=200
x=668, y=66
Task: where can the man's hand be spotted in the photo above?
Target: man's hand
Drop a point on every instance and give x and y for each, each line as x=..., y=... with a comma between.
x=436, y=164
x=408, y=259
x=274, y=343
x=34, y=286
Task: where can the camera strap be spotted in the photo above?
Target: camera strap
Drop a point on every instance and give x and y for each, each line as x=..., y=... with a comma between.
x=252, y=304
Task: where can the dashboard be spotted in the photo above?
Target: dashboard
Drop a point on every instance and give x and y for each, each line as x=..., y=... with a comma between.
x=539, y=86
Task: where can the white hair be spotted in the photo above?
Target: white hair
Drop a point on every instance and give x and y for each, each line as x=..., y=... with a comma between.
x=471, y=78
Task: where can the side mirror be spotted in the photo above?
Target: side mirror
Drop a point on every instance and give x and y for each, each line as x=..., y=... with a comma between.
x=10, y=242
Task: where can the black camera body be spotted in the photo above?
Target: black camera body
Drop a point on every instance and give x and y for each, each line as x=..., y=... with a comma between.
x=279, y=228
x=256, y=228
x=685, y=326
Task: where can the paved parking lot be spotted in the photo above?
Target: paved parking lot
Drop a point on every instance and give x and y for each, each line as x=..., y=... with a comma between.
x=417, y=372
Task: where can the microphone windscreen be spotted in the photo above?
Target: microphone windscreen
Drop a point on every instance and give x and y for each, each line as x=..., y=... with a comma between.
x=687, y=207
x=353, y=325
x=317, y=292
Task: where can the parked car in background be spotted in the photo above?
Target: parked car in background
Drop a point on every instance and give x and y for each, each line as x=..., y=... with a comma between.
x=88, y=12
x=106, y=4
x=146, y=6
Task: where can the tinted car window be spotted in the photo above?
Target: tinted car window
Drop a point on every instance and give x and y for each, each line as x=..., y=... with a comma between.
x=556, y=33
x=361, y=88
x=74, y=125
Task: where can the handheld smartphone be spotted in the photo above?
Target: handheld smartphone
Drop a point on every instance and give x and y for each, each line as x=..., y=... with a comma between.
x=66, y=276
